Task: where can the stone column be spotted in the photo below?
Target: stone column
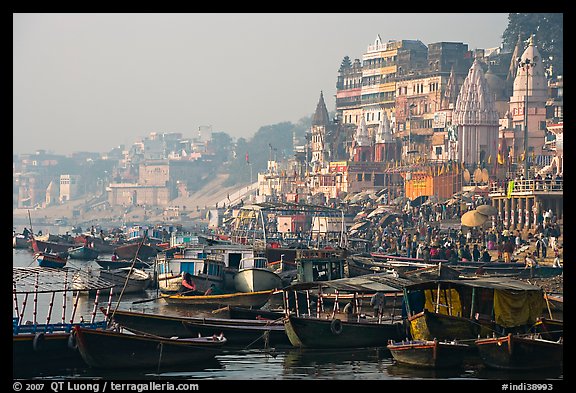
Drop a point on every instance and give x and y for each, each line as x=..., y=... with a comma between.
x=512, y=213
x=527, y=214
x=506, y=207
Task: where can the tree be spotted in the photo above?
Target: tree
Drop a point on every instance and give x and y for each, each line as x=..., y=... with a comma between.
x=548, y=30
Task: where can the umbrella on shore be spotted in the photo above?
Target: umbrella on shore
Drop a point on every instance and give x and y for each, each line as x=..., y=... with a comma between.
x=473, y=218
x=487, y=210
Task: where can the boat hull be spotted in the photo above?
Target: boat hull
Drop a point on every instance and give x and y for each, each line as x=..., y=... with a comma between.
x=109, y=349
x=174, y=326
x=520, y=353
x=83, y=253
x=428, y=326
x=50, y=260
x=133, y=250
x=431, y=354
x=325, y=333
x=251, y=299
x=256, y=280
x=138, y=281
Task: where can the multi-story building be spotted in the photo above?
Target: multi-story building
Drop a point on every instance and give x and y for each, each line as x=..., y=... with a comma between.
x=70, y=187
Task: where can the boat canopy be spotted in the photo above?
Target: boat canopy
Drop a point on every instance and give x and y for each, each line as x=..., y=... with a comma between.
x=369, y=283
x=497, y=283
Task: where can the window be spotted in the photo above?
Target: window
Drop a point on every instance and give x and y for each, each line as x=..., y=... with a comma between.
x=358, y=177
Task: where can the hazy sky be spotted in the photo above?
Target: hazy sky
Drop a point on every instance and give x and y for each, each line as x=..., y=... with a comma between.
x=90, y=82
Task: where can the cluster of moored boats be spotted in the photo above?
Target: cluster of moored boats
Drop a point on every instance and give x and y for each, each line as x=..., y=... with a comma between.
x=432, y=315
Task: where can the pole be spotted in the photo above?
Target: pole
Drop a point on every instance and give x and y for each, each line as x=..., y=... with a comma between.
x=526, y=125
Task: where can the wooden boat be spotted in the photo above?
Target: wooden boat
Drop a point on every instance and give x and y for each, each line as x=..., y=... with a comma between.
x=324, y=333
x=520, y=352
x=235, y=312
x=115, y=350
x=51, y=247
x=134, y=250
x=137, y=279
x=432, y=354
x=83, y=253
x=264, y=334
x=313, y=326
x=41, y=340
x=460, y=309
x=124, y=279
x=244, y=299
x=195, y=268
x=110, y=264
x=20, y=241
x=166, y=325
x=46, y=259
x=549, y=329
x=379, y=262
x=253, y=276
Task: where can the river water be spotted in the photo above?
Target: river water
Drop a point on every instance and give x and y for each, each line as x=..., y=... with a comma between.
x=256, y=364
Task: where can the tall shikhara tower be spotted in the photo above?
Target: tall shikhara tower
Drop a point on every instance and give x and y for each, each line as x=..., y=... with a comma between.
x=477, y=119
x=319, y=132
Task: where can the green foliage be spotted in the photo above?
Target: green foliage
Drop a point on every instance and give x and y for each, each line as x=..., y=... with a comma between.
x=548, y=29
x=270, y=142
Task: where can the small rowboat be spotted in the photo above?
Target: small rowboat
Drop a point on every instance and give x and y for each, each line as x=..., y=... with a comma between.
x=113, y=350
x=431, y=354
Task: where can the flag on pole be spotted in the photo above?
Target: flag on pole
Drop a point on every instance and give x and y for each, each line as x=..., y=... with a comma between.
x=247, y=158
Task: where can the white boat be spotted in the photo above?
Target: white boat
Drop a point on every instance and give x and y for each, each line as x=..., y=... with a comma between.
x=255, y=276
x=202, y=265
x=122, y=279
x=138, y=279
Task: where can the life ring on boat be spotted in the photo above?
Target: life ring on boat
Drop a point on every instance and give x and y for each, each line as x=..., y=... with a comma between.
x=336, y=326
x=72, y=343
x=38, y=341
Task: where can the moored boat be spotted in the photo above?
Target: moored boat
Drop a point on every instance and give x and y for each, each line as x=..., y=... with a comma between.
x=83, y=253
x=41, y=340
x=254, y=275
x=136, y=250
x=244, y=299
x=467, y=308
x=113, y=350
x=312, y=325
x=432, y=353
x=520, y=352
x=167, y=325
x=549, y=329
x=46, y=259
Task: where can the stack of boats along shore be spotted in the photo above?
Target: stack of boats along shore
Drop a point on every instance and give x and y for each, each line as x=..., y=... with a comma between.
x=266, y=288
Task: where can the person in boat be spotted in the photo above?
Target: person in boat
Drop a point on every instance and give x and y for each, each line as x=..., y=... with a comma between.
x=378, y=302
x=213, y=290
x=114, y=256
x=26, y=233
x=188, y=284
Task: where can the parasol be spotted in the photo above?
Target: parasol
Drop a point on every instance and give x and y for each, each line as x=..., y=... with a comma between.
x=473, y=218
x=487, y=210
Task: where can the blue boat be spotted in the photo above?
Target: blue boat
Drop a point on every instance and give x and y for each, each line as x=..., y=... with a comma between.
x=46, y=259
x=83, y=253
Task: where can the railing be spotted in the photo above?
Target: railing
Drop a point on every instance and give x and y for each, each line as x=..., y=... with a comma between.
x=523, y=186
